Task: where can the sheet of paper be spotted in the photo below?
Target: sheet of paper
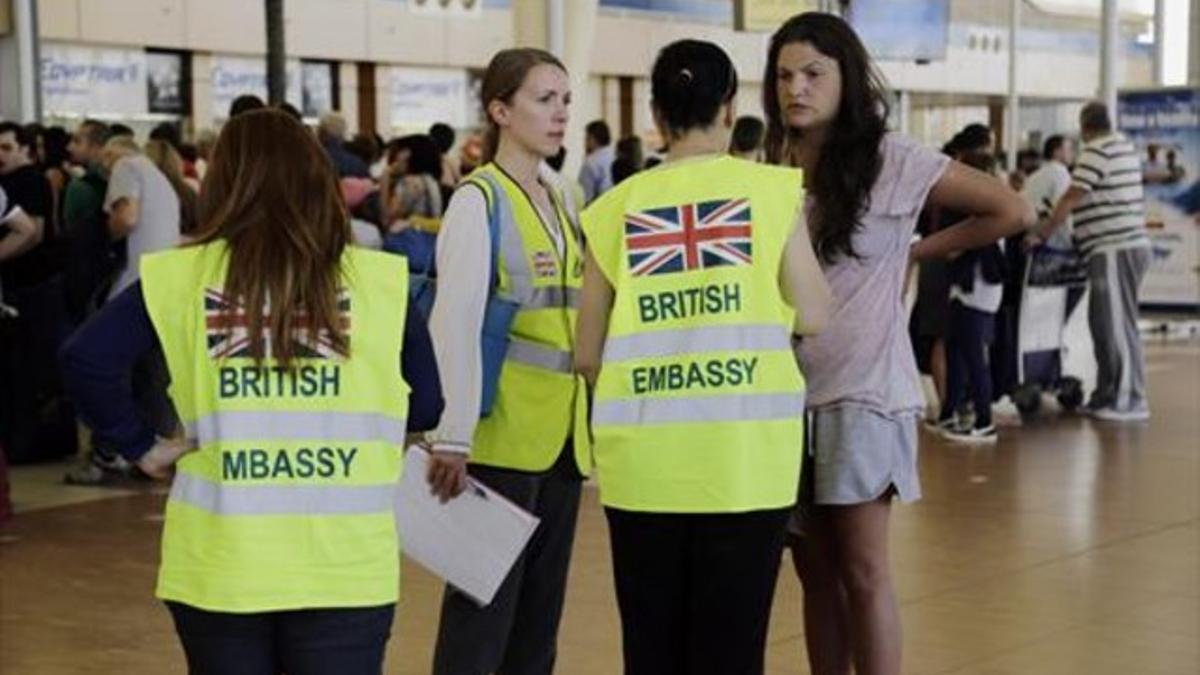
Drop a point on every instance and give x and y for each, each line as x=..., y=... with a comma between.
x=471, y=541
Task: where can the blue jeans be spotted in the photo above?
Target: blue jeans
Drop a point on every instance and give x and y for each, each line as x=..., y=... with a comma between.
x=967, y=370
x=298, y=642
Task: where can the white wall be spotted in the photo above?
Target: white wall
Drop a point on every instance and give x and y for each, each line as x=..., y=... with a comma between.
x=348, y=94
x=937, y=124
x=342, y=30
x=1194, y=46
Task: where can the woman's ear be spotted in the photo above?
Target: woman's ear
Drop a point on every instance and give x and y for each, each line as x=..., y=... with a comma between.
x=663, y=131
x=729, y=113
x=498, y=112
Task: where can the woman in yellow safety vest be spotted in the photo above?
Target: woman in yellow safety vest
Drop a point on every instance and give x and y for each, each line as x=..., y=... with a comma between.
x=279, y=549
x=509, y=261
x=698, y=273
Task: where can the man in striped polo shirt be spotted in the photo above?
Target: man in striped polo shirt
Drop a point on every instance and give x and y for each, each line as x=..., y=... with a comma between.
x=1105, y=200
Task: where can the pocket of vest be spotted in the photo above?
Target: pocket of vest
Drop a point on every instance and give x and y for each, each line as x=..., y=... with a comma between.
x=497, y=321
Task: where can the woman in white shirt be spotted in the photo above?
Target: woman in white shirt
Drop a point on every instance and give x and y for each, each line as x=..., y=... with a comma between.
x=525, y=444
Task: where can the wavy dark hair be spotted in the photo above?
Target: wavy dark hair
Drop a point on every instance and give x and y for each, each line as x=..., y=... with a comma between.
x=850, y=157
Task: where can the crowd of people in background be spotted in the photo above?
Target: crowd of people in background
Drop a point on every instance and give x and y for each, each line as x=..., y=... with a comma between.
x=101, y=200
x=96, y=200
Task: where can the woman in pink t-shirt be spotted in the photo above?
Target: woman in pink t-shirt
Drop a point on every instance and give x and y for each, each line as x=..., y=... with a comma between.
x=827, y=113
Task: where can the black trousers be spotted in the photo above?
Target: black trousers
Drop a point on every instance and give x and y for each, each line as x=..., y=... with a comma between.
x=37, y=422
x=298, y=642
x=517, y=634
x=695, y=590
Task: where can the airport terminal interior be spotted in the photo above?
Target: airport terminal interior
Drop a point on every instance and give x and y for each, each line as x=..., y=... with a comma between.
x=1038, y=499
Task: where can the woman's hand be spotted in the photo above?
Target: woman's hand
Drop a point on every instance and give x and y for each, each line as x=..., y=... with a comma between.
x=161, y=458
x=447, y=474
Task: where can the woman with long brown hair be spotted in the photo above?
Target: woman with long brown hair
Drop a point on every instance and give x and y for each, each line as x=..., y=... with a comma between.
x=279, y=550
x=509, y=264
x=826, y=114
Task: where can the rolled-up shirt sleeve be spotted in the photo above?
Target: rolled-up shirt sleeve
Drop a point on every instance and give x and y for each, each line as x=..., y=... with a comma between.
x=124, y=183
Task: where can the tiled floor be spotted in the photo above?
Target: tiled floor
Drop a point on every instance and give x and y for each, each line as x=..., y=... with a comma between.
x=1072, y=547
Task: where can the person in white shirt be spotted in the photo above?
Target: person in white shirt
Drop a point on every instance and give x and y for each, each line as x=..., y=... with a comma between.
x=976, y=291
x=596, y=173
x=526, y=447
x=1050, y=182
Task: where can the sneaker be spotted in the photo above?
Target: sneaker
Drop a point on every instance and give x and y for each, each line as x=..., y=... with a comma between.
x=84, y=474
x=1095, y=404
x=974, y=435
x=103, y=469
x=111, y=461
x=1005, y=406
x=1006, y=412
x=1113, y=415
x=966, y=415
x=942, y=426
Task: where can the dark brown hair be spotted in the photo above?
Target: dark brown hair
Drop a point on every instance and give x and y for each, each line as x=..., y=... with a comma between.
x=690, y=82
x=850, y=158
x=1094, y=118
x=271, y=193
x=505, y=74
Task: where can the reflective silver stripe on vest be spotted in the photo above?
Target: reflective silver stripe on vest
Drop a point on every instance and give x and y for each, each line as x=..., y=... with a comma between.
x=516, y=262
x=725, y=408
x=759, y=337
x=512, y=246
x=539, y=356
x=260, y=500
x=552, y=297
x=263, y=425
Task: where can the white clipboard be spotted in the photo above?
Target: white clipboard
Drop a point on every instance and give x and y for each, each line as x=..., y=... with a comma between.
x=470, y=541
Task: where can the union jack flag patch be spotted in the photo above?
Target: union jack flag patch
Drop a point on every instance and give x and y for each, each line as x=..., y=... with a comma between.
x=226, y=329
x=689, y=237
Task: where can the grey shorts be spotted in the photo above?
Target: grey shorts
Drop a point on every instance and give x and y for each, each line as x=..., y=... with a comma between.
x=856, y=455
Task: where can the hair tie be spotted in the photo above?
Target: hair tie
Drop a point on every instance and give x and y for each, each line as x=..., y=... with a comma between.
x=685, y=77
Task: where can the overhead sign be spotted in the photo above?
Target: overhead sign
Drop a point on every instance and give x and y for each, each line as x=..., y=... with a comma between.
x=233, y=76
x=766, y=16
x=902, y=30
x=85, y=80
x=422, y=96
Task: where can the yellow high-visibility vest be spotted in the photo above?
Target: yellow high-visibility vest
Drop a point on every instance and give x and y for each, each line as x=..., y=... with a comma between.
x=287, y=503
x=699, y=405
x=540, y=400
